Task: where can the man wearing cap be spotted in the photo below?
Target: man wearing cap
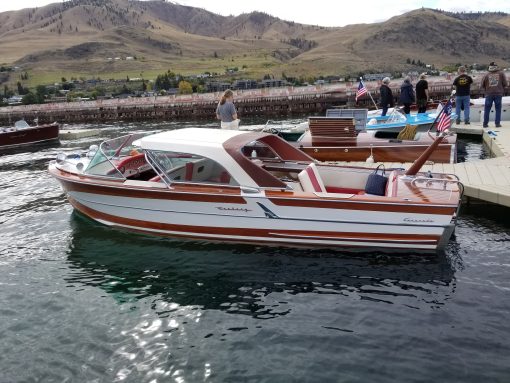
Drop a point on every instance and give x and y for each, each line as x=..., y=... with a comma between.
x=462, y=86
x=422, y=93
x=386, y=96
x=493, y=84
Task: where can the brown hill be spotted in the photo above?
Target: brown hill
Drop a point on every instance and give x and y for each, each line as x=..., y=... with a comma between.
x=78, y=36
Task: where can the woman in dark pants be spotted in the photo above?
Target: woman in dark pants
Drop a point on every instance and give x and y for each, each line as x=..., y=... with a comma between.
x=407, y=96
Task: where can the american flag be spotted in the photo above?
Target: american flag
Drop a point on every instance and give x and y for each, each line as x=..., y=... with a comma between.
x=361, y=90
x=445, y=121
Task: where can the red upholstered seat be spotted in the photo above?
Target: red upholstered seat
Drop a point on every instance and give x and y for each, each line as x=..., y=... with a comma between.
x=311, y=180
x=130, y=164
x=334, y=189
x=188, y=174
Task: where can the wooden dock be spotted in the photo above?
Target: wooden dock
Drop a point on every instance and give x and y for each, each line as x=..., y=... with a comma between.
x=75, y=134
x=487, y=180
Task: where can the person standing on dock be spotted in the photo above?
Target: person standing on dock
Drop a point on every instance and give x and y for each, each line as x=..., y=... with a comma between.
x=422, y=93
x=493, y=84
x=407, y=96
x=462, y=86
x=387, y=100
x=226, y=111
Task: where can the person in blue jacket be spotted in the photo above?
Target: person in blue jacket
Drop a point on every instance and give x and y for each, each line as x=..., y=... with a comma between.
x=407, y=96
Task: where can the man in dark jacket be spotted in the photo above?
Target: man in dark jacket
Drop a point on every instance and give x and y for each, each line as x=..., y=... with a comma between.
x=387, y=100
x=407, y=96
x=494, y=84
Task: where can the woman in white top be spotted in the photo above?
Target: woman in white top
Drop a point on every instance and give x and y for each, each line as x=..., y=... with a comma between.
x=226, y=111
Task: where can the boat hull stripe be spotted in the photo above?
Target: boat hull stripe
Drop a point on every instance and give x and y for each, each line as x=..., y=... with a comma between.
x=275, y=235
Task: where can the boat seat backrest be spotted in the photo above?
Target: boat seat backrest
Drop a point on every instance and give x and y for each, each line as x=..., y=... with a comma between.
x=131, y=165
x=345, y=178
x=188, y=173
x=311, y=180
x=391, y=186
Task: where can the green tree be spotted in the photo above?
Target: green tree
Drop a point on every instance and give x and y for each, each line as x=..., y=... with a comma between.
x=40, y=93
x=21, y=90
x=29, y=98
x=185, y=87
x=7, y=92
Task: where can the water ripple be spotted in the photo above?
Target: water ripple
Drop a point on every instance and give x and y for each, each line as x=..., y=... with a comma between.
x=80, y=302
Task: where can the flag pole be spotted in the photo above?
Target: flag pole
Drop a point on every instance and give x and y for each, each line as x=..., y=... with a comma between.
x=370, y=94
x=442, y=108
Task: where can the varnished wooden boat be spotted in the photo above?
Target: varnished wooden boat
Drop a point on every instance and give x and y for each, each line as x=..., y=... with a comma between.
x=23, y=134
x=335, y=139
x=201, y=184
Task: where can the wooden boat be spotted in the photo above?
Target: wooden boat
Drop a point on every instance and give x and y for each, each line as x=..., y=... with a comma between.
x=336, y=139
x=24, y=134
x=200, y=184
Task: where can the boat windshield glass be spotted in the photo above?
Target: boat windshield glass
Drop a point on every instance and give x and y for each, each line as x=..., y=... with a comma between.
x=395, y=116
x=21, y=124
x=185, y=167
x=111, y=155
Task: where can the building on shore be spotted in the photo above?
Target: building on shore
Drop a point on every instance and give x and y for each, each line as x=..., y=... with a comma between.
x=245, y=84
x=376, y=76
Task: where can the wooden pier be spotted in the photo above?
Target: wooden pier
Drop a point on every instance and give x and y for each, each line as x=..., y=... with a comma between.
x=256, y=102
x=76, y=134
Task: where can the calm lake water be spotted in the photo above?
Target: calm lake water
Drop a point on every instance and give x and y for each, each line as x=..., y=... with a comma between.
x=80, y=302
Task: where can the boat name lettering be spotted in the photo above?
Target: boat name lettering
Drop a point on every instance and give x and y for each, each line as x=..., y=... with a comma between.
x=418, y=220
x=233, y=209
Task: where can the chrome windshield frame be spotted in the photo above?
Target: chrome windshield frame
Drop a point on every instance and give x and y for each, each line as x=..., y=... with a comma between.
x=128, y=138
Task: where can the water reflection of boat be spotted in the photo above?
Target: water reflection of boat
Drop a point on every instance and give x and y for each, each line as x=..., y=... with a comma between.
x=24, y=134
x=206, y=184
x=244, y=279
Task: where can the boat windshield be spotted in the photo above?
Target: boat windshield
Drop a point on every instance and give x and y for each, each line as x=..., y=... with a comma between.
x=21, y=124
x=395, y=116
x=109, y=157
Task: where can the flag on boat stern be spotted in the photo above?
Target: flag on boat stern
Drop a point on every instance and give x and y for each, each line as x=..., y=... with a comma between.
x=444, y=121
x=361, y=90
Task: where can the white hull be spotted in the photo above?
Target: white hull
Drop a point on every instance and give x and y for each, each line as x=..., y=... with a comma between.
x=293, y=225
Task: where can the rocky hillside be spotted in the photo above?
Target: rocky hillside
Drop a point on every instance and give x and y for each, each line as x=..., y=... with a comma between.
x=81, y=35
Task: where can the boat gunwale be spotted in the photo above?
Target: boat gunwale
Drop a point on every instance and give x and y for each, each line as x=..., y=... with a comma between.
x=274, y=193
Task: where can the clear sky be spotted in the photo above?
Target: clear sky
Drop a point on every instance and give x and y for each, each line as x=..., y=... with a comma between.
x=317, y=12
